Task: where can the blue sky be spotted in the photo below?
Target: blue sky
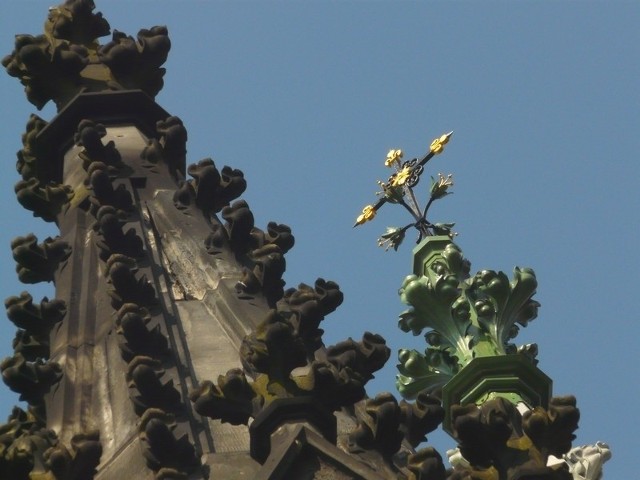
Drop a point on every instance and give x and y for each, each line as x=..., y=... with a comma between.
x=307, y=98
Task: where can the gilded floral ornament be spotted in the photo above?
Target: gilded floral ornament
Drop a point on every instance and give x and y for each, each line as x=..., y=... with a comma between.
x=399, y=189
x=393, y=158
x=437, y=146
x=400, y=178
x=368, y=213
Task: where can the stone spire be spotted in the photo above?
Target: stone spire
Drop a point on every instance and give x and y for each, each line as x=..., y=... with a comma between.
x=172, y=348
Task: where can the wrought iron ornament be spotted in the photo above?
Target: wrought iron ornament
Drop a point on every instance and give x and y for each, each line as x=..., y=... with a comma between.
x=399, y=190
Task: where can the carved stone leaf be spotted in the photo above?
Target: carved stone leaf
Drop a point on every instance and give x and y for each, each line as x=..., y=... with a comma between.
x=38, y=318
x=38, y=262
x=232, y=400
x=45, y=201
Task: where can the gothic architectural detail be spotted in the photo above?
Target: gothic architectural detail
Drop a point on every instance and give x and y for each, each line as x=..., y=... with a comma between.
x=77, y=462
x=37, y=262
x=67, y=59
x=212, y=190
x=113, y=239
x=31, y=379
x=27, y=164
x=89, y=135
x=153, y=394
x=469, y=357
x=426, y=464
x=138, y=338
x=136, y=64
x=277, y=360
x=166, y=453
x=34, y=318
x=45, y=201
x=163, y=282
x=585, y=462
x=170, y=146
x=105, y=194
x=23, y=444
x=469, y=316
x=127, y=288
x=500, y=443
x=34, y=324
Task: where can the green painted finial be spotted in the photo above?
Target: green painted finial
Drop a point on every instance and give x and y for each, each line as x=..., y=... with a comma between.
x=469, y=320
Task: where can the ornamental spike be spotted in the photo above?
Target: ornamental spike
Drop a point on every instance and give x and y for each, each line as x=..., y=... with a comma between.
x=437, y=146
x=368, y=213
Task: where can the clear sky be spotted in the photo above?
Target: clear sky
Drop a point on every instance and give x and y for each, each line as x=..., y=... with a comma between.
x=307, y=98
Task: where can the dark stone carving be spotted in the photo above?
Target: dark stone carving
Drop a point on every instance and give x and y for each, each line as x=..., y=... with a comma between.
x=31, y=346
x=164, y=450
x=23, y=443
x=215, y=190
x=384, y=423
x=35, y=322
x=341, y=379
x=496, y=440
x=426, y=464
x=39, y=318
x=232, y=400
x=45, y=201
x=52, y=66
x=172, y=144
x=421, y=417
x=379, y=430
x=267, y=259
x=78, y=463
x=239, y=225
x=271, y=354
x=27, y=157
x=120, y=270
x=278, y=235
x=218, y=240
x=285, y=359
x=47, y=70
x=30, y=379
x=261, y=254
x=551, y=430
x=139, y=339
x=144, y=374
x=103, y=192
x=38, y=262
x=89, y=135
x=113, y=239
x=266, y=275
x=305, y=307
x=284, y=411
x=274, y=349
x=136, y=65
x=210, y=190
x=75, y=22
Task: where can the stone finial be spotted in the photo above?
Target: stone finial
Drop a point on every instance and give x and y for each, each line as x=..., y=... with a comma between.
x=67, y=59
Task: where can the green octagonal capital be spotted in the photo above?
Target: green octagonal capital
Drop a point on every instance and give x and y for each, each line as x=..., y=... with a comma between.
x=427, y=251
x=513, y=377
